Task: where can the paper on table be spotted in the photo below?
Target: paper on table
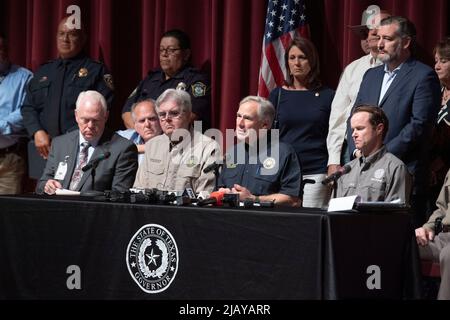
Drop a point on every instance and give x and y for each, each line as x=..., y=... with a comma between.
x=343, y=203
x=66, y=192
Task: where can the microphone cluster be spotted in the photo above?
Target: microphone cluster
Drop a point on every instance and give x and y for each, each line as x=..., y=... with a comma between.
x=178, y=198
x=218, y=198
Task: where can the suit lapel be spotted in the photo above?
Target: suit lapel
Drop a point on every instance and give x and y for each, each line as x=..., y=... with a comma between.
x=379, y=81
x=399, y=78
x=73, y=142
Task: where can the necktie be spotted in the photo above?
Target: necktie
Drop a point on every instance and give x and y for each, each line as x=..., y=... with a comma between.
x=82, y=160
x=53, y=116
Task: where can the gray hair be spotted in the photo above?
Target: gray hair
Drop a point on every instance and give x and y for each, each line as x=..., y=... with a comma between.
x=134, y=105
x=406, y=28
x=93, y=96
x=266, y=110
x=181, y=98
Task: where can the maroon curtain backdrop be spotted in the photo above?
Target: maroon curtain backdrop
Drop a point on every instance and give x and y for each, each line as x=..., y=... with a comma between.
x=226, y=38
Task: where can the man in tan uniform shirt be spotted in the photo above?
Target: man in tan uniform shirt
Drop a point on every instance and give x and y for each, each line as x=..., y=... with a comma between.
x=437, y=247
x=377, y=175
x=176, y=159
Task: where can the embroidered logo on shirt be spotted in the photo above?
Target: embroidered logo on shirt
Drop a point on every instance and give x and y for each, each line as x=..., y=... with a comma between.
x=192, y=161
x=378, y=174
x=269, y=163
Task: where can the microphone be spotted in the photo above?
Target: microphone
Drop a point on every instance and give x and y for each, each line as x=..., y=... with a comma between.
x=94, y=163
x=214, y=166
x=215, y=198
x=333, y=177
x=211, y=167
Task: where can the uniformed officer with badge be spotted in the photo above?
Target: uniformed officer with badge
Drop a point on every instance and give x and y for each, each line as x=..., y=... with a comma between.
x=176, y=159
x=260, y=168
x=175, y=73
x=48, y=110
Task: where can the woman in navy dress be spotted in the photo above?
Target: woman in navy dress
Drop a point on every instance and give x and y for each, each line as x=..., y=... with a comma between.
x=303, y=109
x=440, y=151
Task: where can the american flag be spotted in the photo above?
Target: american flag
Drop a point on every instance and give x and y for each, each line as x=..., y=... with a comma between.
x=285, y=19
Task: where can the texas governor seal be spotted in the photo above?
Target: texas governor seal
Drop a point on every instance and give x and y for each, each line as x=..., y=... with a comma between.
x=152, y=258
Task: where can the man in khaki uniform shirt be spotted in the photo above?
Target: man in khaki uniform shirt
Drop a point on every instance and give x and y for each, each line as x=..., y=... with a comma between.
x=437, y=247
x=176, y=159
x=377, y=175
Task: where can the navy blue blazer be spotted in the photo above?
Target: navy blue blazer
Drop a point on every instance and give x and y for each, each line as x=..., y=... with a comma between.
x=411, y=104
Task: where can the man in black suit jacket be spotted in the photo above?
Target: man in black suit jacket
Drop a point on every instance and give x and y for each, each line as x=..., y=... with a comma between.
x=116, y=172
x=408, y=91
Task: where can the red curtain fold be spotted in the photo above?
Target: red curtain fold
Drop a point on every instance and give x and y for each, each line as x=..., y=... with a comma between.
x=226, y=38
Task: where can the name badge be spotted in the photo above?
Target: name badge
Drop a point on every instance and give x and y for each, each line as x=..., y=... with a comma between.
x=62, y=170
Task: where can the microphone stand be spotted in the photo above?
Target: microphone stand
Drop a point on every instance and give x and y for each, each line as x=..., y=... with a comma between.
x=93, y=192
x=216, y=175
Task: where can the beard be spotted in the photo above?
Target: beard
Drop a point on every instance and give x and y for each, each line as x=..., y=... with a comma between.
x=386, y=58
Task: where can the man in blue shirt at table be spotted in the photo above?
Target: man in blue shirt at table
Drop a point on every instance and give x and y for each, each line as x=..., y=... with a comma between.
x=260, y=167
x=13, y=81
x=146, y=125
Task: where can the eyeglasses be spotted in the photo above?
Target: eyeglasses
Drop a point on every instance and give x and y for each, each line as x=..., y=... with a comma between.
x=73, y=35
x=174, y=114
x=169, y=51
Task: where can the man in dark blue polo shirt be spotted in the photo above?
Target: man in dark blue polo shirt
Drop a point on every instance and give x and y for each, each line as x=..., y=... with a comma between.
x=259, y=167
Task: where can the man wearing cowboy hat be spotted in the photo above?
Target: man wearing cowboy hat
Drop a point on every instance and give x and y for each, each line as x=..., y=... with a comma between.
x=348, y=87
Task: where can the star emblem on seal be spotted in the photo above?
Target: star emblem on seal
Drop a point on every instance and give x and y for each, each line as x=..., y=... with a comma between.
x=152, y=258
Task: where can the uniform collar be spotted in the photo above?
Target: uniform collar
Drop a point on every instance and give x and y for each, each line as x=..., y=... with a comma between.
x=78, y=57
x=179, y=75
x=366, y=162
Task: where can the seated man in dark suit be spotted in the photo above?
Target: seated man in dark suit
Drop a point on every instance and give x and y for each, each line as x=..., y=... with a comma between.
x=256, y=170
x=71, y=152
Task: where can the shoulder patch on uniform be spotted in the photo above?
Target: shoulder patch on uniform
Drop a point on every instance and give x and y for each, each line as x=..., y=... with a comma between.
x=198, y=89
x=109, y=80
